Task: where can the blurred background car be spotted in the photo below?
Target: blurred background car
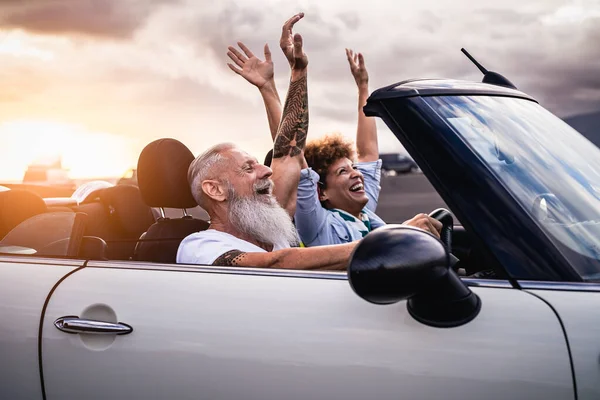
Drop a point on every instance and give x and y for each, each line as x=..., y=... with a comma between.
x=396, y=163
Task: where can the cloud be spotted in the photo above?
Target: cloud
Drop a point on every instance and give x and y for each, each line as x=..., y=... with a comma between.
x=166, y=75
x=103, y=18
x=350, y=19
x=555, y=63
x=20, y=83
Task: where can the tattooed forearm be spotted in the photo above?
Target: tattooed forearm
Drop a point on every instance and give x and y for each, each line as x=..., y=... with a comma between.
x=229, y=259
x=291, y=135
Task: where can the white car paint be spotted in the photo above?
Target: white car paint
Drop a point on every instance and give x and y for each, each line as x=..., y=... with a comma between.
x=25, y=285
x=208, y=334
x=580, y=314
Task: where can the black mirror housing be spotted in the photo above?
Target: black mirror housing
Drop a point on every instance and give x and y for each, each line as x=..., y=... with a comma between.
x=399, y=262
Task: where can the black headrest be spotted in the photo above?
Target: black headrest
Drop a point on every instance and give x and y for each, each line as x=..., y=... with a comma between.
x=162, y=174
x=16, y=206
x=126, y=205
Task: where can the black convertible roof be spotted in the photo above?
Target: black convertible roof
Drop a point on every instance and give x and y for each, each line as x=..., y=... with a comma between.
x=444, y=87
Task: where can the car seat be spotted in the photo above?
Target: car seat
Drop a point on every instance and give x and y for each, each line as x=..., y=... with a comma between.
x=49, y=234
x=162, y=178
x=16, y=206
x=118, y=215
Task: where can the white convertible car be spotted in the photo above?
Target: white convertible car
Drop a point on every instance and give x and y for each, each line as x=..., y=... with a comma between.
x=505, y=306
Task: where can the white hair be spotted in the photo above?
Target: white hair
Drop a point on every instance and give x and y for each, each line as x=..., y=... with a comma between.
x=205, y=167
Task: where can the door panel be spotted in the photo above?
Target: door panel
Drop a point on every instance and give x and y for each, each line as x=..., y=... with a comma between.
x=201, y=335
x=24, y=286
x=580, y=314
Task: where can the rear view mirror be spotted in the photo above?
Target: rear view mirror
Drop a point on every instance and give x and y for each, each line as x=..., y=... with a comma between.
x=399, y=262
x=548, y=208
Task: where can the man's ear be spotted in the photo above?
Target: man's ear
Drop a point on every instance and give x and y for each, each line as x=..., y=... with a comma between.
x=214, y=189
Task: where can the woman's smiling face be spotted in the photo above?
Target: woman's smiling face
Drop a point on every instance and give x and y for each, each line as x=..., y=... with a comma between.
x=344, y=187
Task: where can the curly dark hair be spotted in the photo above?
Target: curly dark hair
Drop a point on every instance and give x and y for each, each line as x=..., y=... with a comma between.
x=321, y=153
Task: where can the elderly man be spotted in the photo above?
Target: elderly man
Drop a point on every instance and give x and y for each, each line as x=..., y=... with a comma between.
x=250, y=206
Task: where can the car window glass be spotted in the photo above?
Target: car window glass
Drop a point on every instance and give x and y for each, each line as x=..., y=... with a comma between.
x=550, y=169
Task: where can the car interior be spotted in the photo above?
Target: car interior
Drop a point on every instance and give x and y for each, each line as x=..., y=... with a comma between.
x=128, y=222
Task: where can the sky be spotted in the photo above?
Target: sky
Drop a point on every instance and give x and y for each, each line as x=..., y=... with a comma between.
x=94, y=81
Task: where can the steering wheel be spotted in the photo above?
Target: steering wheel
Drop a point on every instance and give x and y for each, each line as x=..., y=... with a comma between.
x=445, y=217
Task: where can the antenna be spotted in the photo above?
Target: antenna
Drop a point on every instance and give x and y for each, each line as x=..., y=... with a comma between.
x=474, y=61
x=491, y=77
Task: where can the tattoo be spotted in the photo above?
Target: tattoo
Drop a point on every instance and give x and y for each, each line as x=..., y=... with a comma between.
x=291, y=135
x=229, y=259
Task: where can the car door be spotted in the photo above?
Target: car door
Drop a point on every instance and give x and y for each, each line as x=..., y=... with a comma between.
x=227, y=333
x=24, y=286
x=578, y=305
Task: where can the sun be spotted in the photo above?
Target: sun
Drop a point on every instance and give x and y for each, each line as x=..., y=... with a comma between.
x=86, y=154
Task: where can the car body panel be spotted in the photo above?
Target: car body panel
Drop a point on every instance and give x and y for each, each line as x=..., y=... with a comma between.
x=580, y=315
x=25, y=286
x=231, y=335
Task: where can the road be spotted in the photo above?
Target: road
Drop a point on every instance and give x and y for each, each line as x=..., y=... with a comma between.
x=404, y=196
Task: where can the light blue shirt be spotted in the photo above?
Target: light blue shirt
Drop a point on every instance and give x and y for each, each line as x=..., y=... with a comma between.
x=318, y=226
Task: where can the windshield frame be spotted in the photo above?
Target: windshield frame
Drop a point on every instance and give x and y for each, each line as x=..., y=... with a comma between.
x=497, y=224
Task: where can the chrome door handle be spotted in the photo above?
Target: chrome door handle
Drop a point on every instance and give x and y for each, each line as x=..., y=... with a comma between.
x=73, y=324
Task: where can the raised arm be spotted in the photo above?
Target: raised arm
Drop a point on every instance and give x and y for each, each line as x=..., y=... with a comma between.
x=333, y=257
x=288, y=149
x=366, y=131
x=260, y=74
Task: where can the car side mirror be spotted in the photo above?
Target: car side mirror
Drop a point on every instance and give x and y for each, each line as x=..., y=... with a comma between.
x=399, y=262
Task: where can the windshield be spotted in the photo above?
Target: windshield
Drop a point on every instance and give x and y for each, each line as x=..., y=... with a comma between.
x=551, y=170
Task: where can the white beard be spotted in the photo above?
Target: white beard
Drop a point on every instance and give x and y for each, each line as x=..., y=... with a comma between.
x=261, y=218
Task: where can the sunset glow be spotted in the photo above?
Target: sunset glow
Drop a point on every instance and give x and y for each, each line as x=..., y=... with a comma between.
x=85, y=154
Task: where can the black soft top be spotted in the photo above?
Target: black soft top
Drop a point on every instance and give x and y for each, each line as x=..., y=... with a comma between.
x=444, y=87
